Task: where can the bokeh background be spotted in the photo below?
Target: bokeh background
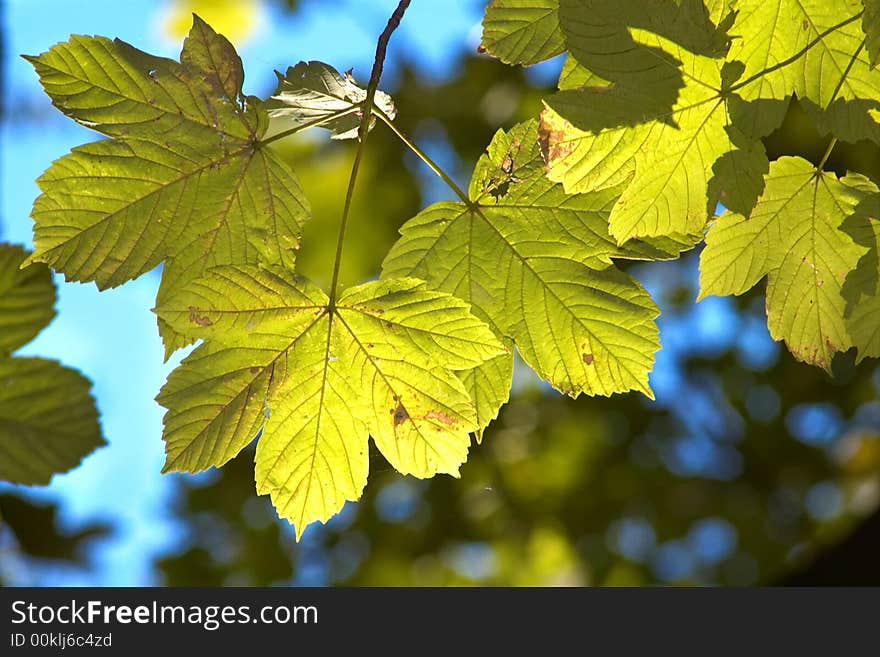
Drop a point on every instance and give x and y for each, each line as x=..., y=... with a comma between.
x=750, y=468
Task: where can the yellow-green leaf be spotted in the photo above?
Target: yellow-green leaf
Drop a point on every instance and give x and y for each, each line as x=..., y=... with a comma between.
x=522, y=31
x=861, y=289
x=184, y=178
x=871, y=28
x=816, y=49
x=315, y=380
x=536, y=263
x=659, y=123
x=795, y=236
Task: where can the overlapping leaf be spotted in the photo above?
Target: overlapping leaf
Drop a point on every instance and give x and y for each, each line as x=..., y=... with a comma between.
x=800, y=235
x=536, y=263
x=313, y=92
x=657, y=97
x=522, y=31
x=315, y=381
x=654, y=116
x=816, y=49
x=48, y=420
x=861, y=289
x=184, y=178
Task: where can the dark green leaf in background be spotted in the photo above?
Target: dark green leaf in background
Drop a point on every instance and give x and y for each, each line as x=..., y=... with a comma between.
x=48, y=419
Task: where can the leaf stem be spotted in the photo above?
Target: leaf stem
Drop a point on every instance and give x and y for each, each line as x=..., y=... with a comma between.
x=827, y=154
x=309, y=124
x=423, y=156
x=837, y=89
x=346, y=210
x=363, y=132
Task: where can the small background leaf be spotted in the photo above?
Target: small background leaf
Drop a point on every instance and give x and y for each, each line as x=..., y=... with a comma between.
x=48, y=420
x=27, y=299
x=522, y=31
x=312, y=91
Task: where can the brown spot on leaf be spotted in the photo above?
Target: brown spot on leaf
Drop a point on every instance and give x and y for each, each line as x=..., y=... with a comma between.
x=805, y=24
x=481, y=49
x=440, y=416
x=254, y=370
x=588, y=359
x=551, y=138
x=507, y=163
x=196, y=318
x=400, y=414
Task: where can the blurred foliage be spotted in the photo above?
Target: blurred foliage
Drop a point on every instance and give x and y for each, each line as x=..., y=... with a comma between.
x=229, y=538
x=235, y=19
x=32, y=537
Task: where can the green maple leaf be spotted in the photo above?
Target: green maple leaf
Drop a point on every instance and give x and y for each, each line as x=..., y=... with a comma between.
x=799, y=236
x=316, y=381
x=536, y=263
x=313, y=92
x=184, y=177
x=522, y=31
x=27, y=299
x=48, y=420
x=816, y=49
x=644, y=103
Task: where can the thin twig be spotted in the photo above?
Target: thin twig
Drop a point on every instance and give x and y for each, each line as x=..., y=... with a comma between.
x=827, y=154
x=363, y=131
